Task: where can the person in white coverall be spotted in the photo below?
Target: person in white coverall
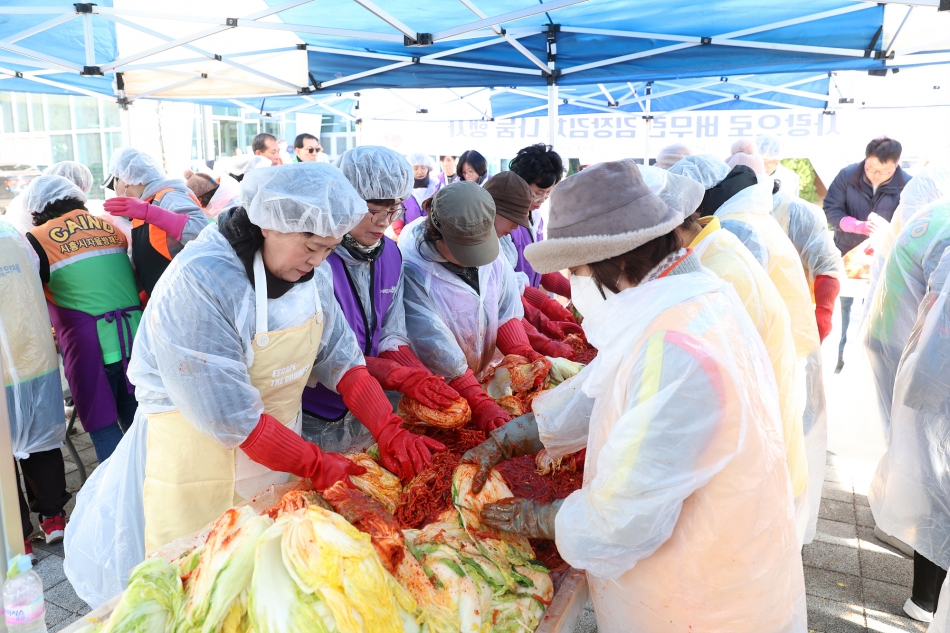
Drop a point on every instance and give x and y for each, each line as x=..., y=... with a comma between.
x=685, y=519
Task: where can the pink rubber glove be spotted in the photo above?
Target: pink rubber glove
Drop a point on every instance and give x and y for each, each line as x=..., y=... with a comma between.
x=168, y=221
x=850, y=224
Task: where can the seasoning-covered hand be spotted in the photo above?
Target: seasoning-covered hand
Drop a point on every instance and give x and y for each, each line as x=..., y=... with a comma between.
x=518, y=437
x=531, y=519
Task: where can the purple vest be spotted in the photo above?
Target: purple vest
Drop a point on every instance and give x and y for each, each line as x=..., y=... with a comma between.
x=522, y=237
x=384, y=276
x=413, y=210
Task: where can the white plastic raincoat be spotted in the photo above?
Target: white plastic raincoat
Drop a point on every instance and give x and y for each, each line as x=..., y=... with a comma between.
x=202, y=316
x=929, y=186
x=451, y=328
x=893, y=311
x=909, y=493
x=685, y=521
x=30, y=367
x=806, y=226
x=721, y=252
x=750, y=211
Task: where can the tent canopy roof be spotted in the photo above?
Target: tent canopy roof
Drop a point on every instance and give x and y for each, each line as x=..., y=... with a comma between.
x=253, y=49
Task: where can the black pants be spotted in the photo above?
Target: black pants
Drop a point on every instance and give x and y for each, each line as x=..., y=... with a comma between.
x=846, y=303
x=45, y=475
x=928, y=578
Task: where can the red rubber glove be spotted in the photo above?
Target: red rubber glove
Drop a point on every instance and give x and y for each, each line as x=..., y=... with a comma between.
x=826, y=291
x=556, y=283
x=402, y=453
x=548, y=306
x=416, y=382
x=532, y=315
x=404, y=356
x=168, y=221
x=513, y=340
x=543, y=345
x=277, y=447
x=486, y=414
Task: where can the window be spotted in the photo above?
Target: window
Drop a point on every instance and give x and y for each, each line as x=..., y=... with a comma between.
x=22, y=113
x=220, y=111
x=250, y=131
x=87, y=113
x=228, y=137
x=61, y=146
x=59, y=117
x=6, y=110
x=112, y=140
x=39, y=120
x=110, y=114
x=89, y=153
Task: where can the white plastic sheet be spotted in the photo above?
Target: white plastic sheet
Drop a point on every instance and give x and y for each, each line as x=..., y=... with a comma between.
x=686, y=501
x=807, y=228
x=893, y=311
x=910, y=491
x=30, y=365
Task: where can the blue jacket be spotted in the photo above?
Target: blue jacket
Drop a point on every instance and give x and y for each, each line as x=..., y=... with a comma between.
x=851, y=194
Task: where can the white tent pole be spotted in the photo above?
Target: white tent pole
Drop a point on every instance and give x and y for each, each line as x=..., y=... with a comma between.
x=387, y=18
x=552, y=113
x=39, y=28
x=505, y=17
x=10, y=527
x=87, y=37
x=890, y=44
x=498, y=31
x=207, y=129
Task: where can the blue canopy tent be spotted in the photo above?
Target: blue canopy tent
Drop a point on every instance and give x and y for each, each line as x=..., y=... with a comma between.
x=317, y=47
x=742, y=92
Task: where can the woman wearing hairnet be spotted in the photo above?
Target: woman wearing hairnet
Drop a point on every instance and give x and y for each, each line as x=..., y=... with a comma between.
x=462, y=299
x=893, y=311
x=368, y=285
x=424, y=186
x=908, y=495
x=235, y=327
x=33, y=390
x=721, y=252
x=742, y=202
x=93, y=303
x=76, y=173
x=685, y=520
x=165, y=214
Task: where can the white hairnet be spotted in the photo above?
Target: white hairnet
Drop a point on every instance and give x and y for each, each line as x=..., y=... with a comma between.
x=671, y=154
x=78, y=173
x=768, y=147
x=751, y=161
x=928, y=186
x=742, y=146
x=244, y=163
x=306, y=197
x=705, y=169
x=134, y=167
x=678, y=192
x=421, y=159
x=377, y=173
x=46, y=189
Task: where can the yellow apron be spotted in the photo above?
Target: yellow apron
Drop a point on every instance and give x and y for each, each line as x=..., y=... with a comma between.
x=189, y=478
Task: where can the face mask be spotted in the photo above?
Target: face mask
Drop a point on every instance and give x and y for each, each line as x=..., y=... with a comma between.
x=585, y=296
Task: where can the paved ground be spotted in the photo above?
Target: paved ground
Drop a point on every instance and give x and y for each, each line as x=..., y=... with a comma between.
x=854, y=582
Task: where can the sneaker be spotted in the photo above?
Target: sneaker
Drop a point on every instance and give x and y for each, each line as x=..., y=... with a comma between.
x=54, y=527
x=917, y=613
x=28, y=550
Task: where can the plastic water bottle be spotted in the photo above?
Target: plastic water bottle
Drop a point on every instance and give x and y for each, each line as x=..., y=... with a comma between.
x=23, y=605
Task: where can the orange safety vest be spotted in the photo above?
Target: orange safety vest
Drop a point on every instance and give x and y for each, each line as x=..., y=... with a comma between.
x=150, y=248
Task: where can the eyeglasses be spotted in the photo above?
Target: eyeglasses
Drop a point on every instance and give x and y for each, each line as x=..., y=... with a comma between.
x=542, y=197
x=883, y=171
x=391, y=213
x=313, y=150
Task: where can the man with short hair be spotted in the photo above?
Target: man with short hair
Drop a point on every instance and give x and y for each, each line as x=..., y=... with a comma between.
x=265, y=145
x=448, y=163
x=872, y=186
x=307, y=148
